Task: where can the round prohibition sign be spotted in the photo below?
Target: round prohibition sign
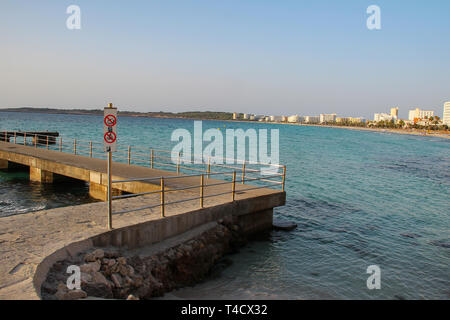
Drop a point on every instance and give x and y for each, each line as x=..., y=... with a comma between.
x=110, y=137
x=110, y=120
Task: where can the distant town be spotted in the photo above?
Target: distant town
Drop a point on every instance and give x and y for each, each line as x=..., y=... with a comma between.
x=417, y=119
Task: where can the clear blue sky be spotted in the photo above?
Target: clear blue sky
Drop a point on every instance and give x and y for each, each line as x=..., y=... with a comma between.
x=255, y=56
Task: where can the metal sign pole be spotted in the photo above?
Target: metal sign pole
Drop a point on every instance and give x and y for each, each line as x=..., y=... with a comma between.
x=109, y=191
x=110, y=122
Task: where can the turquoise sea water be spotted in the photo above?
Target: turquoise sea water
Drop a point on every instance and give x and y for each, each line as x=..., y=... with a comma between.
x=359, y=199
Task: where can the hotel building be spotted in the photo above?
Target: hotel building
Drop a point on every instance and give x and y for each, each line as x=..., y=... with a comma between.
x=327, y=118
x=419, y=114
x=446, y=116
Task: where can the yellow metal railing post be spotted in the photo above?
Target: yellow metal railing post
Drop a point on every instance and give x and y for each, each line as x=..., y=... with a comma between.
x=202, y=184
x=47, y=142
x=90, y=149
x=284, y=177
x=162, y=198
x=60, y=144
x=152, y=157
x=24, y=138
x=75, y=146
x=209, y=166
x=178, y=163
x=15, y=137
x=129, y=155
x=6, y=136
x=233, y=187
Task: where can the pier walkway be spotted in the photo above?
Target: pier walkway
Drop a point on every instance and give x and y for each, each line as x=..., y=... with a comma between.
x=31, y=243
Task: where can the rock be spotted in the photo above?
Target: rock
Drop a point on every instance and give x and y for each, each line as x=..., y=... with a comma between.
x=85, y=277
x=138, y=281
x=98, y=290
x=117, y=280
x=123, y=270
x=284, y=225
x=122, y=260
x=99, y=254
x=132, y=297
x=130, y=271
x=61, y=291
x=94, y=255
x=62, y=287
x=90, y=267
x=129, y=281
x=65, y=294
x=75, y=295
x=99, y=278
x=112, y=254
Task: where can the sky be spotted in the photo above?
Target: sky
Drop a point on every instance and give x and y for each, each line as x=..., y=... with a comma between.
x=277, y=57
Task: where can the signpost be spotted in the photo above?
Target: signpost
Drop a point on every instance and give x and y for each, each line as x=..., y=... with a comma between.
x=110, y=145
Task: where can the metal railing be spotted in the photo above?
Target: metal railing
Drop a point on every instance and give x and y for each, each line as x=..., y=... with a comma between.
x=202, y=187
x=163, y=159
x=148, y=157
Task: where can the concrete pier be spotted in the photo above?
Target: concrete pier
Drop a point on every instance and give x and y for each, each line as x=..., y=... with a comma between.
x=45, y=164
x=3, y=164
x=31, y=243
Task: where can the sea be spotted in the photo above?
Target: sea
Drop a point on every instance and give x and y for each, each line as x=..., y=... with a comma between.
x=359, y=198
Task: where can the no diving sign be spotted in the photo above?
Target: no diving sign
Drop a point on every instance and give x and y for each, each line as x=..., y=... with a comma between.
x=110, y=130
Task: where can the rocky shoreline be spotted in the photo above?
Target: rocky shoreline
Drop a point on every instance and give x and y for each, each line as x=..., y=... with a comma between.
x=109, y=273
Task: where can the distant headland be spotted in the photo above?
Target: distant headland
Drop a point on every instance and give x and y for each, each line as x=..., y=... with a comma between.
x=204, y=115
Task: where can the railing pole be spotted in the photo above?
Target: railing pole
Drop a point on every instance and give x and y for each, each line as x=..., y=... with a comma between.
x=15, y=137
x=24, y=138
x=6, y=136
x=47, y=142
x=151, y=158
x=129, y=155
x=178, y=163
x=75, y=146
x=284, y=177
x=202, y=184
x=243, y=173
x=60, y=144
x=90, y=149
x=35, y=140
x=233, y=186
x=162, y=198
x=209, y=166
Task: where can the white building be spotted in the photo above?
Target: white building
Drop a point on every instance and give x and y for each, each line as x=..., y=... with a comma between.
x=293, y=119
x=419, y=114
x=382, y=117
x=246, y=116
x=276, y=118
x=235, y=116
x=446, y=117
x=394, y=113
x=257, y=117
x=327, y=118
x=312, y=119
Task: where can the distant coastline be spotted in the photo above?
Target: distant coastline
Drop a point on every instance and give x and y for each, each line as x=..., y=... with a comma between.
x=220, y=116
x=201, y=115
